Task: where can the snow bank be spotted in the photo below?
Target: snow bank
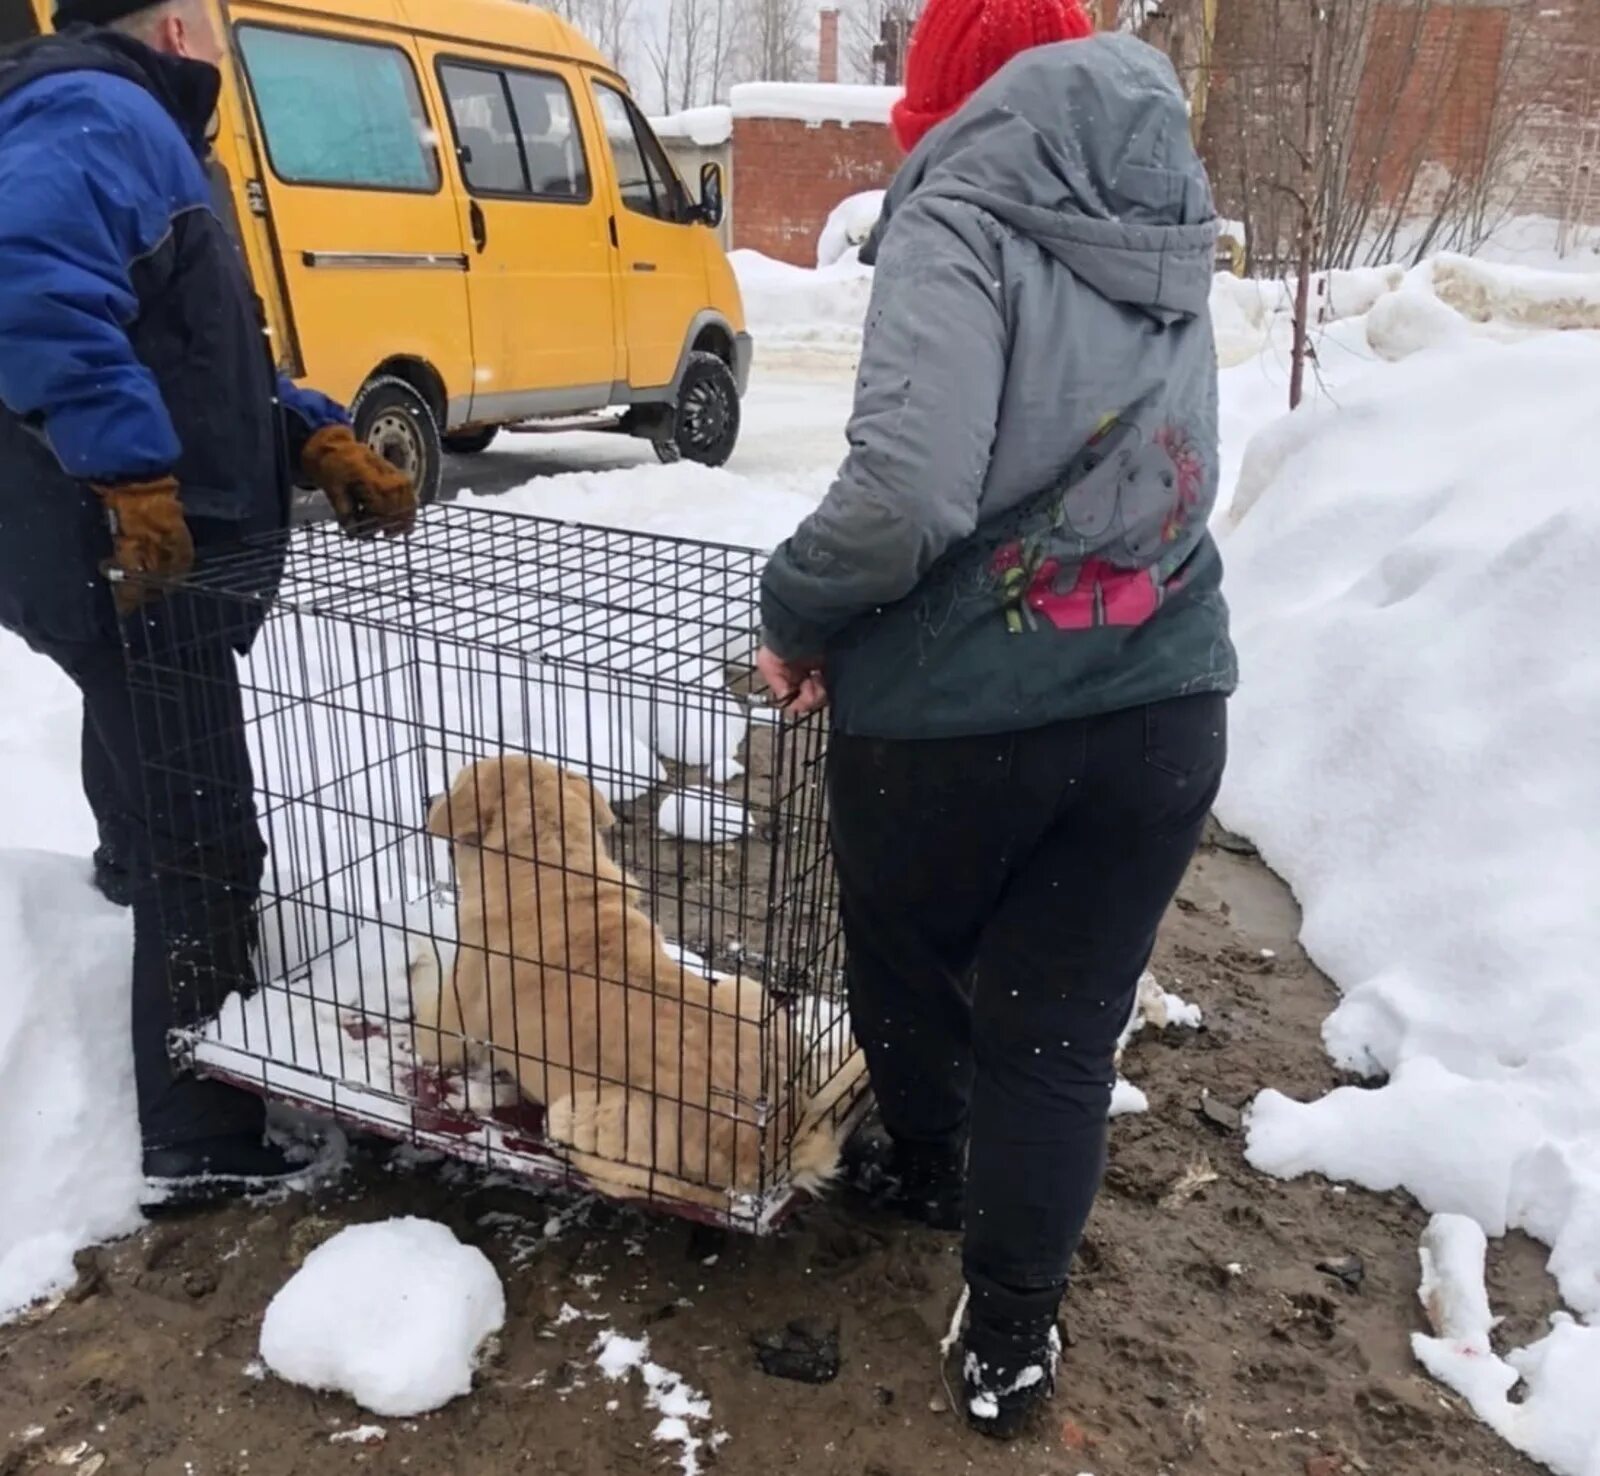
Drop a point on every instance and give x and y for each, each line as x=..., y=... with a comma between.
x=1523, y=296
x=706, y=128
x=1415, y=749
x=848, y=226
x=393, y=1314
x=1555, y=1419
x=794, y=307
x=815, y=103
x=69, y=1155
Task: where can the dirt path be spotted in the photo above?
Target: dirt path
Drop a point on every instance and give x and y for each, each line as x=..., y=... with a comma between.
x=1203, y=1337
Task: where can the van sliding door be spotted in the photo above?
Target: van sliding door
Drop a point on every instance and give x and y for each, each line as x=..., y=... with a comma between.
x=368, y=234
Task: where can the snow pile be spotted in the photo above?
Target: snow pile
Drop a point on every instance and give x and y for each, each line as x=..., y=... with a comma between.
x=683, y=1410
x=792, y=307
x=393, y=1314
x=69, y=1156
x=1523, y=296
x=705, y=128
x=848, y=226
x=1557, y=1421
x=814, y=103
x=1415, y=751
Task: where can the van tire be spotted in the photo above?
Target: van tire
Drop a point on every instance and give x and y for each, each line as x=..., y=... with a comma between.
x=395, y=421
x=471, y=442
x=705, y=421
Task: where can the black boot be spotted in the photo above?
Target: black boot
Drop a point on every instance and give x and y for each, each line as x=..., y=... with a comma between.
x=920, y=1181
x=1008, y=1357
x=211, y=1171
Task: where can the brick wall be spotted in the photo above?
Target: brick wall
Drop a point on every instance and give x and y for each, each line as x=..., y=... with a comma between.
x=1542, y=136
x=789, y=175
x=1427, y=93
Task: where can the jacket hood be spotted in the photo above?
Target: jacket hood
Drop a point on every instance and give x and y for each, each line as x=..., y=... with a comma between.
x=187, y=89
x=1084, y=148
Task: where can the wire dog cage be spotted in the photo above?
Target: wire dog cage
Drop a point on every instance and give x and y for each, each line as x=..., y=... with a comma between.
x=488, y=845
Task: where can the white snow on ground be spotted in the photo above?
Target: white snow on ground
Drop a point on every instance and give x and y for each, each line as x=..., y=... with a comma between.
x=684, y=1411
x=815, y=103
x=393, y=1314
x=69, y=1153
x=1415, y=750
x=848, y=226
x=1155, y=1008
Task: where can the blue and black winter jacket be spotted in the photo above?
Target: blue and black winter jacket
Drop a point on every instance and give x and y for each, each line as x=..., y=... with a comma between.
x=131, y=341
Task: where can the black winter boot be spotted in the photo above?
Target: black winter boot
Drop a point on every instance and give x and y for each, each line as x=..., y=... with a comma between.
x=1008, y=1357
x=211, y=1171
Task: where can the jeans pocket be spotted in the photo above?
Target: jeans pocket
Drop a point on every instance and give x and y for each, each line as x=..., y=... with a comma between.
x=1187, y=737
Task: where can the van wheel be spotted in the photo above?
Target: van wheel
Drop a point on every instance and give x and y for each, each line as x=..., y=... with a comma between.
x=397, y=423
x=471, y=442
x=705, y=424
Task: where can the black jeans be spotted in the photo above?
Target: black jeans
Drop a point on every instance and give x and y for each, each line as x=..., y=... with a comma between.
x=1001, y=897
x=167, y=773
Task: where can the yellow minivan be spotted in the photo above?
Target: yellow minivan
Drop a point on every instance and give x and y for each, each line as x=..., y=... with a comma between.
x=458, y=220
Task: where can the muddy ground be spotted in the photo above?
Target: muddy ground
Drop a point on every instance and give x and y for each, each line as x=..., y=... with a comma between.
x=1203, y=1337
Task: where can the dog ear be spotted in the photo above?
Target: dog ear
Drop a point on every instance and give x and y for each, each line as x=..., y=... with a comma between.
x=465, y=813
x=582, y=793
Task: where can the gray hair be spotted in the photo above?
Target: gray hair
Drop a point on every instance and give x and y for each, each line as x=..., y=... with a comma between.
x=143, y=24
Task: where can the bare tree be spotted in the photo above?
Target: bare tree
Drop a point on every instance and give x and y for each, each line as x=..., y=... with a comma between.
x=1340, y=148
x=777, y=40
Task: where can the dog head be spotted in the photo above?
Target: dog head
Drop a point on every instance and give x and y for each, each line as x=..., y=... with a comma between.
x=526, y=808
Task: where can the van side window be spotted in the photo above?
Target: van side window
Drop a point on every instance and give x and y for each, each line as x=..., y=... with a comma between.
x=516, y=133
x=338, y=112
x=644, y=177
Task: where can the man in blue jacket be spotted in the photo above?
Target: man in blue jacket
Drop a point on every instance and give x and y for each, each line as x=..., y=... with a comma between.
x=143, y=426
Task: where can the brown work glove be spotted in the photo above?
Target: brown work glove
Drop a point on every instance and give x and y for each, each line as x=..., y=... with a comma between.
x=150, y=541
x=367, y=494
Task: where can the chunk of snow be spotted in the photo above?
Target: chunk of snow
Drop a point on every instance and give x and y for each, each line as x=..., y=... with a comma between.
x=1127, y=1100
x=706, y=128
x=814, y=102
x=848, y=225
x=69, y=1161
x=1416, y=554
x=359, y=1435
x=393, y=1314
x=702, y=816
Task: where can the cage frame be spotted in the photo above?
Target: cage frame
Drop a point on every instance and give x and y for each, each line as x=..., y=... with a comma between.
x=241, y=580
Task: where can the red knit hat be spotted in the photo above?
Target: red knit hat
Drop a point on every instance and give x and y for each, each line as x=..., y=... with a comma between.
x=959, y=45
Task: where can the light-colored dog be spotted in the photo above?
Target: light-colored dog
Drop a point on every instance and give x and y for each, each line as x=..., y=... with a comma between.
x=562, y=979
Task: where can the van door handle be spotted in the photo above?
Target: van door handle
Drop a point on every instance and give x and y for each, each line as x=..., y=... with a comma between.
x=480, y=227
x=644, y=266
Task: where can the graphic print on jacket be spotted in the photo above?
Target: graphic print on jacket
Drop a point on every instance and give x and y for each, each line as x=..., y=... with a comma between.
x=1105, y=557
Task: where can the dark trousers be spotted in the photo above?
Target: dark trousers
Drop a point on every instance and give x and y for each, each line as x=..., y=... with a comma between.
x=1001, y=897
x=167, y=773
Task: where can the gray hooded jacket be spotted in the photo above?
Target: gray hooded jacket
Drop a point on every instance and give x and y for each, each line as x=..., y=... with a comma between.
x=1018, y=534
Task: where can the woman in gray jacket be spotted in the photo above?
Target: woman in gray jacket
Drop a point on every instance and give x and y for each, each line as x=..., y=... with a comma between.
x=1011, y=602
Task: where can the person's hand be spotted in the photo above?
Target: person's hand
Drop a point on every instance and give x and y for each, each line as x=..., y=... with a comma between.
x=796, y=686
x=150, y=541
x=367, y=494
